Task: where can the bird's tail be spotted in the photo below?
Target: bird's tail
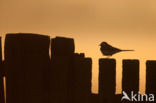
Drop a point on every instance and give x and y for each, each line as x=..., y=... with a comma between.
x=127, y=50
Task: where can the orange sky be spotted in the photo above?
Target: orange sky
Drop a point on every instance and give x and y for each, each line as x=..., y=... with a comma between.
x=128, y=24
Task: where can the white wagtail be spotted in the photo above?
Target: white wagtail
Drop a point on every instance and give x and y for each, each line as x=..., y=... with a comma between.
x=109, y=50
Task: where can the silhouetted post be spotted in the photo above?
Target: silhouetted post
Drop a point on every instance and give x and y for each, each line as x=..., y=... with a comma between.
x=107, y=80
x=82, y=79
x=61, y=82
x=151, y=77
x=1, y=76
x=130, y=80
x=26, y=64
x=87, y=74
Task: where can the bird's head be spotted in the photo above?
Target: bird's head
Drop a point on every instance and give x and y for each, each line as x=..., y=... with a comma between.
x=103, y=43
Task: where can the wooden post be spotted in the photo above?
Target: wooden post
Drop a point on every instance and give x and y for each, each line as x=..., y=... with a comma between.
x=107, y=80
x=61, y=77
x=26, y=64
x=82, y=79
x=151, y=77
x=130, y=80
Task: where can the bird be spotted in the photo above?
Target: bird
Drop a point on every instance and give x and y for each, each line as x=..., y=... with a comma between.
x=108, y=50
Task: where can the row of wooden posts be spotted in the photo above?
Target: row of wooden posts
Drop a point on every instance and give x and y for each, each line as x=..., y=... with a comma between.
x=33, y=77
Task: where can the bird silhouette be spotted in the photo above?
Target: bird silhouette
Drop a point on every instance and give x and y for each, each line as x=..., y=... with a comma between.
x=109, y=50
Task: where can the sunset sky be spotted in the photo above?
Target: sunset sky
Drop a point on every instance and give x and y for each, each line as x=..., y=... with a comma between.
x=127, y=24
